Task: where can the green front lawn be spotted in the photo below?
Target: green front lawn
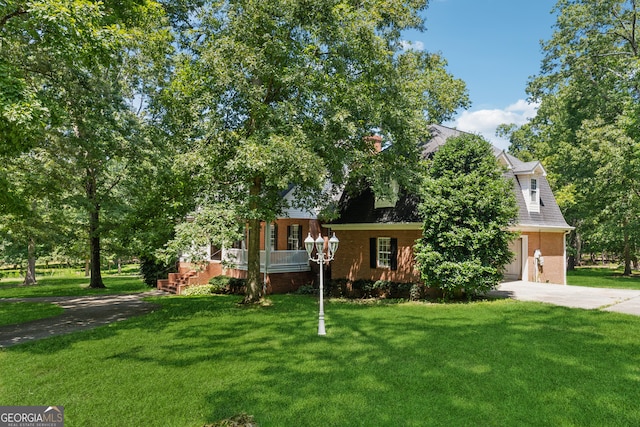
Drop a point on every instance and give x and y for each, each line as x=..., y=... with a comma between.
x=203, y=359
x=602, y=277
x=70, y=285
x=20, y=312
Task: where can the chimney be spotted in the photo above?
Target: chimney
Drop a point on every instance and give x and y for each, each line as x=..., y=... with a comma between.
x=376, y=140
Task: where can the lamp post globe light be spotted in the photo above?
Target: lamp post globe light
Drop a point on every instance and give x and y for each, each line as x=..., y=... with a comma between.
x=321, y=258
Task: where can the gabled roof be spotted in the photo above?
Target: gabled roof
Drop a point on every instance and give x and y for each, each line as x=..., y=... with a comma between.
x=522, y=168
x=360, y=208
x=549, y=215
x=439, y=135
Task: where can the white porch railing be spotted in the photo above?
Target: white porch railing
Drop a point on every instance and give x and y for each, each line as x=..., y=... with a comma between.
x=279, y=261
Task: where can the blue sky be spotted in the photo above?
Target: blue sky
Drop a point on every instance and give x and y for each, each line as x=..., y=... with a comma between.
x=494, y=46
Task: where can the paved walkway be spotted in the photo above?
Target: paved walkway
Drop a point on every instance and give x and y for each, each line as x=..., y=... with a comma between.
x=618, y=300
x=80, y=313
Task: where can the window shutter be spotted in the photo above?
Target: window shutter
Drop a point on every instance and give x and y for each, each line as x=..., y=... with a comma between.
x=373, y=252
x=300, y=245
x=289, y=238
x=394, y=254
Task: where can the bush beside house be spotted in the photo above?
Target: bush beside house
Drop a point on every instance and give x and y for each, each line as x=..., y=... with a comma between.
x=467, y=206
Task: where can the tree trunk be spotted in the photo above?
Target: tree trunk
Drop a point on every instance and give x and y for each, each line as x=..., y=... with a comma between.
x=627, y=254
x=254, y=287
x=94, y=231
x=94, y=244
x=253, y=292
x=30, y=276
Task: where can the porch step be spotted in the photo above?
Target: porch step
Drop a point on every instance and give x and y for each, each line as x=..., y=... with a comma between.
x=178, y=281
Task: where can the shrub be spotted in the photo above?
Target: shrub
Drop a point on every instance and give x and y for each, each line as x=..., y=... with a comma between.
x=198, y=290
x=379, y=289
x=10, y=274
x=337, y=288
x=417, y=291
x=219, y=289
x=307, y=290
x=227, y=285
x=361, y=288
x=153, y=269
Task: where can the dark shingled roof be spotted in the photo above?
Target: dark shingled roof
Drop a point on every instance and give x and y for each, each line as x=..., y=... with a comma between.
x=359, y=208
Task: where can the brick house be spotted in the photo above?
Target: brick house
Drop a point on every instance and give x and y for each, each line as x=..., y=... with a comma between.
x=379, y=235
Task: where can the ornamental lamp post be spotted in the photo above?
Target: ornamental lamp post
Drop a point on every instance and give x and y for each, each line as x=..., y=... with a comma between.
x=321, y=258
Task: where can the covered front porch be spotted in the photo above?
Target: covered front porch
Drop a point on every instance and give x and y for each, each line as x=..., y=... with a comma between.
x=283, y=271
x=287, y=261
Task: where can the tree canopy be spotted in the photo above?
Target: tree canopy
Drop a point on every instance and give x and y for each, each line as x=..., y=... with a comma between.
x=69, y=72
x=145, y=109
x=280, y=93
x=587, y=130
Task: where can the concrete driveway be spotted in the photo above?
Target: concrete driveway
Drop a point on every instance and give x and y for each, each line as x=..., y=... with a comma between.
x=618, y=300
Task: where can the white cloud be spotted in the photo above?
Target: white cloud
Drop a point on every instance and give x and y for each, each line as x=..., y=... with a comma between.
x=409, y=45
x=485, y=122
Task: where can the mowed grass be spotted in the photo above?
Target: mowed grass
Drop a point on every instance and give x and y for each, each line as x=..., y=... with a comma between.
x=70, y=285
x=202, y=359
x=602, y=277
x=49, y=286
x=20, y=312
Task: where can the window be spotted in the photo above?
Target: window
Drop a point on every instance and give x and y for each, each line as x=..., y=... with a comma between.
x=294, y=237
x=533, y=190
x=274, y=237
x=216, y=252
x=383, y=252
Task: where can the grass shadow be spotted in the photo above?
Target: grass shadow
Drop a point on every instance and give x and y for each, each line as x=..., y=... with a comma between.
x=201, y=359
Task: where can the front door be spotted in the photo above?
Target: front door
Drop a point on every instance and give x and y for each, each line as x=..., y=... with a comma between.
x=513, y=271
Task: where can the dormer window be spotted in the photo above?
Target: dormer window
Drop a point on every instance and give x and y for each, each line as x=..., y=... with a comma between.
x=533, y=196
x=533, y=191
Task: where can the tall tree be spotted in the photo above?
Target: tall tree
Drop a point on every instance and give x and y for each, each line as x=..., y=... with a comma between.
x=70, y=63
x=468, y=206
x=285, y=92
x=35, y=224
x=587, y=129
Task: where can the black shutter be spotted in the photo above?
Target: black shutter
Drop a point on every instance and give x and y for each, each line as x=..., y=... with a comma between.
x=373, y=252
x=394, y=254
x=299, y=238
x=289, y=238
